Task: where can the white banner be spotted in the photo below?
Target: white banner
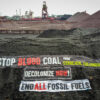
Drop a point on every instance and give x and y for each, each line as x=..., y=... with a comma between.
x=55, y=85
x=57, y=73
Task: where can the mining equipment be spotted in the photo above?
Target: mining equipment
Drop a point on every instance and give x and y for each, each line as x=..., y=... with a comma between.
x=44, y=10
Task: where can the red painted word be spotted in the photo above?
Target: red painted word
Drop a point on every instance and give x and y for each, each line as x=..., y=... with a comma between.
x=62, y=73
x=28, y=61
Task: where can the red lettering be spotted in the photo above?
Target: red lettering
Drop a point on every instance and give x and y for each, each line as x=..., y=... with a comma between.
x=44, y=86
x=65, y=73
x=20, y=62
x=36, y=86
x=39, y=86
x=38, y=61
x=61, y=73
x=29, y=61
x=33, y=61
x=24, y=64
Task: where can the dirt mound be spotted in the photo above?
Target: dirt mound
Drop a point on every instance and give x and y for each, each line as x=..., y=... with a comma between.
x=73, y=33
x=71, y=42
x=78, y=17
x=55, y=33
x=91, y=22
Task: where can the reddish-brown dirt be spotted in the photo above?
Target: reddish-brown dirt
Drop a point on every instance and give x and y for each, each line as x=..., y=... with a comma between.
x=79, y=20
x=35, y=25
x=91, y=22
x=79, y=16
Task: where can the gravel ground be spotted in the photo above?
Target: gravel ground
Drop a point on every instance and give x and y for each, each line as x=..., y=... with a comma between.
x=84, y=42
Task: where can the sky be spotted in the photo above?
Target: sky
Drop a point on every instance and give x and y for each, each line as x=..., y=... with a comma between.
x=56, y=7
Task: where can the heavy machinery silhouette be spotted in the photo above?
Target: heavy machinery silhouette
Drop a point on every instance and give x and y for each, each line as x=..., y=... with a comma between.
x=44, y=10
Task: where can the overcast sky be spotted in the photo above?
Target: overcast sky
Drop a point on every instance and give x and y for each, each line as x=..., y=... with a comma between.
x=8, y=7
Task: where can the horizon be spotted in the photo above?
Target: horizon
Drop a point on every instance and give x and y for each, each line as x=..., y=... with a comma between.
x=55, y=7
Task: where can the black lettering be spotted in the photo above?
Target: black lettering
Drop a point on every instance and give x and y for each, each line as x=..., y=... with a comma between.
x=61, y=86
x=53, y=86
x=22, y=87
x=29, y=86
x=87, y=85
x=49, y=85
x=57, y=86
